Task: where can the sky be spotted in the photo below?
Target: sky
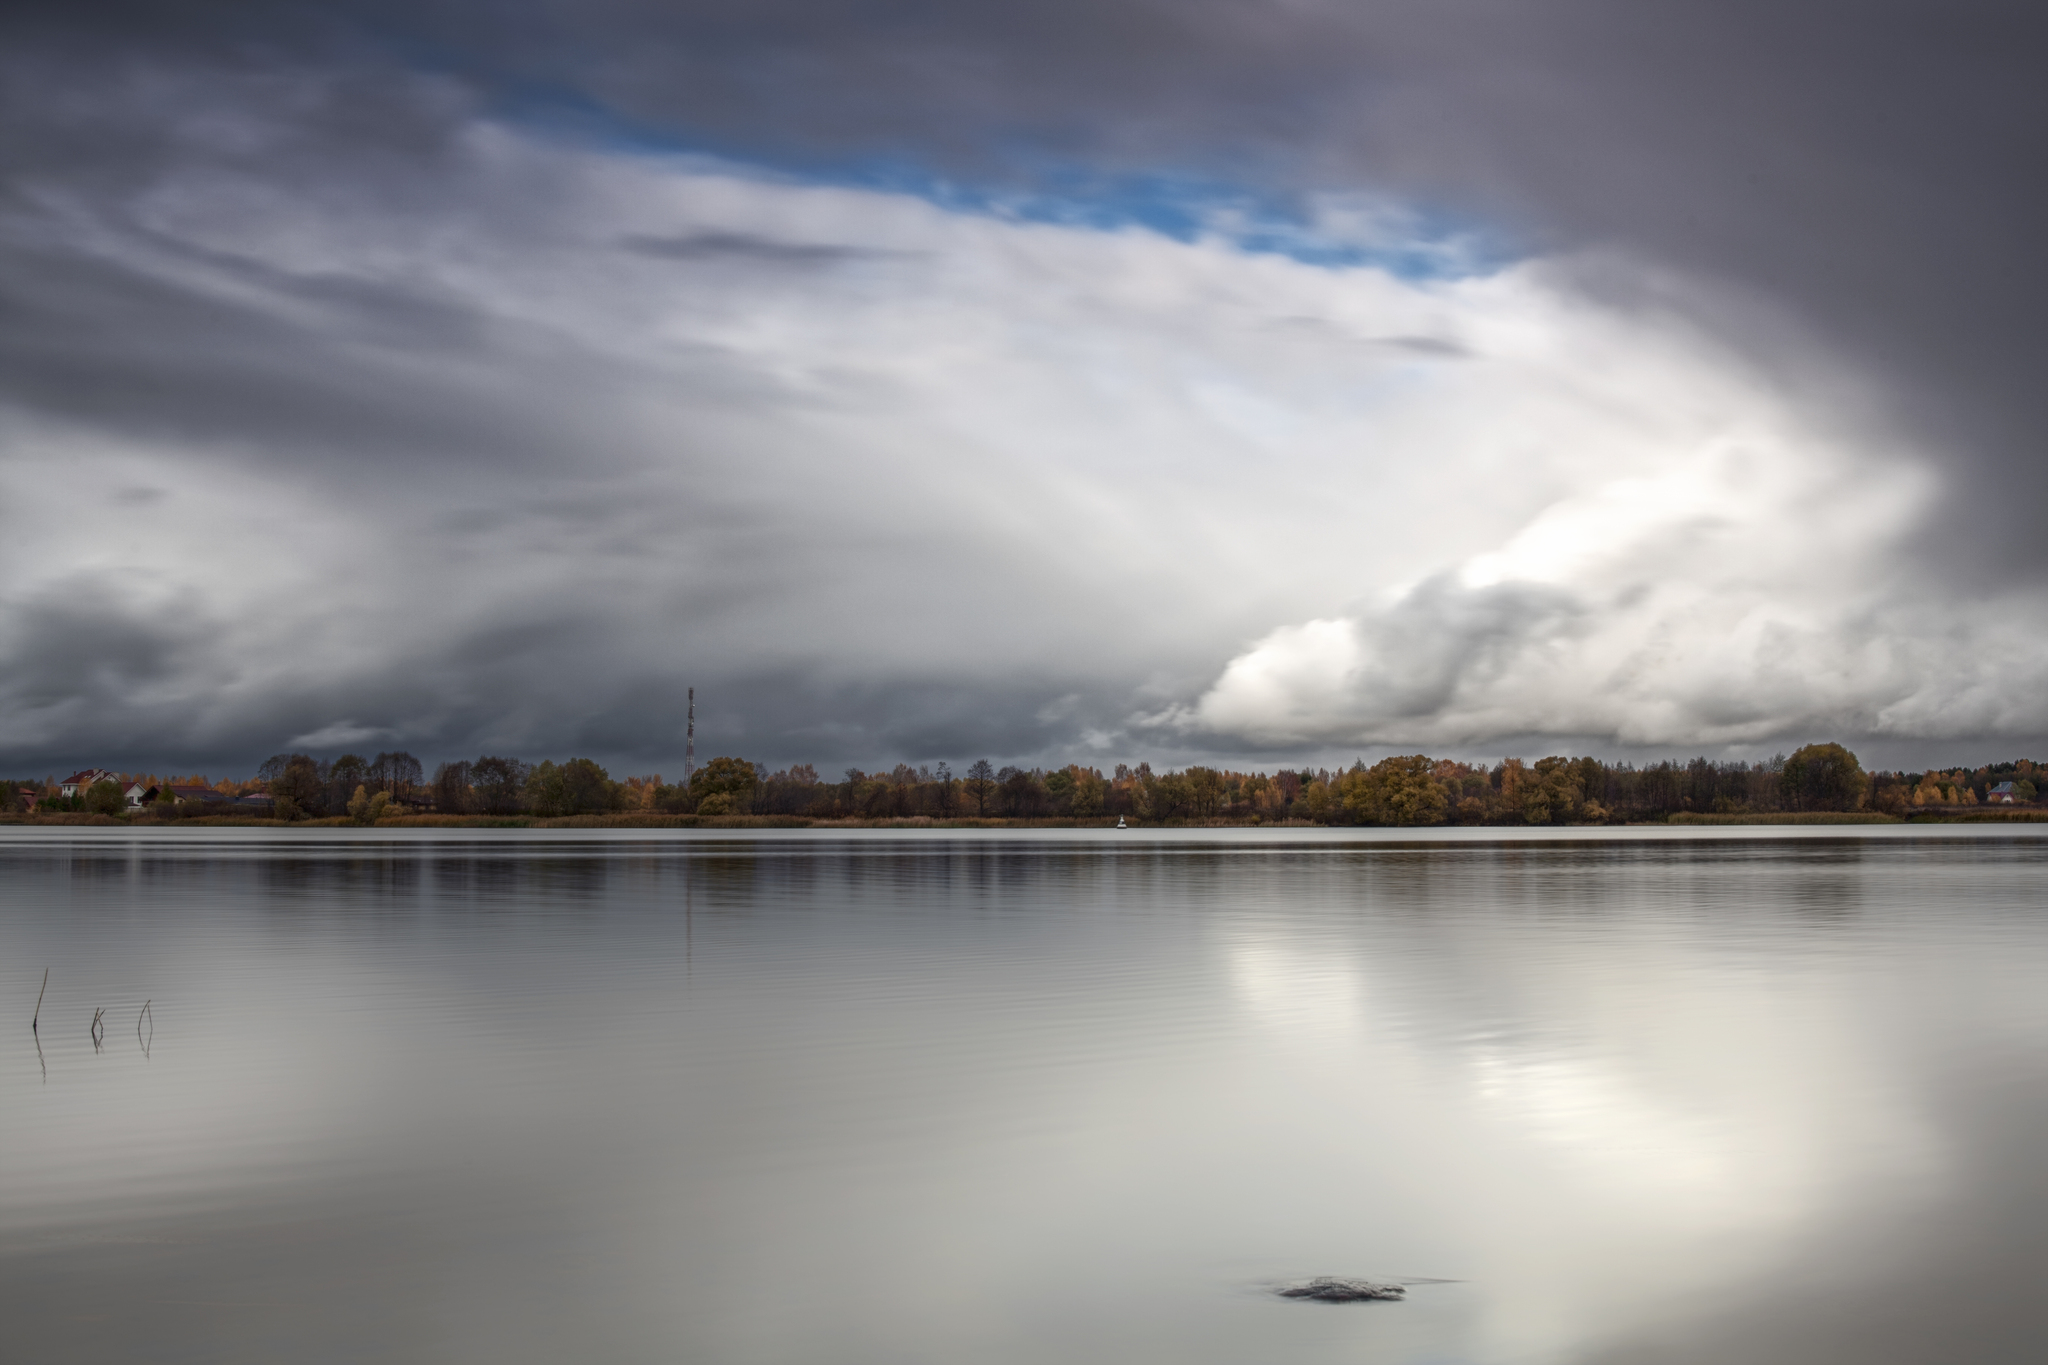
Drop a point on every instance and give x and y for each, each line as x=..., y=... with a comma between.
x=1262, y=383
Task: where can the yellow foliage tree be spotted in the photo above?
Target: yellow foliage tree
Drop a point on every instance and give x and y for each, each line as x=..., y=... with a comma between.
x=366, y=809
x=1396, y=791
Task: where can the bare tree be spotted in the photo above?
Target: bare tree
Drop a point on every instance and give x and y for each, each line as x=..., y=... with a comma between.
x=397, y=773
x=451, y=788
x=498, y=784
x=344, y=775
x=981, y=780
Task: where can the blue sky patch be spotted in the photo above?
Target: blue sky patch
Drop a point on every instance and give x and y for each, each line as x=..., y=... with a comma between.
x=1334, y=229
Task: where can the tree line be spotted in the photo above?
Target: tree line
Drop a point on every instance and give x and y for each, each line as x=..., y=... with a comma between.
x=1411, y=789
x=1406, y=790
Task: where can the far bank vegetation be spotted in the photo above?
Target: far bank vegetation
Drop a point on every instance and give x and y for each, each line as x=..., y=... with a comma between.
x=1818, y=783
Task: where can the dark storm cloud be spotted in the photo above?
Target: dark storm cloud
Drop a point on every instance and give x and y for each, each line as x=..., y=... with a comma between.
x=84, y=643
x=97, y=340
x=83, y=657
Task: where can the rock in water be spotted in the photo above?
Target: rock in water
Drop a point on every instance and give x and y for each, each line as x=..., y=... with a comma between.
x=1331, y=1289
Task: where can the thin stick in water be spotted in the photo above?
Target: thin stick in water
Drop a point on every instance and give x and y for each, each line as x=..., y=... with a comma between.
x=35, y=1024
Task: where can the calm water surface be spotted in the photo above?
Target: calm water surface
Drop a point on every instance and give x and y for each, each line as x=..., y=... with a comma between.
x=899, y=1099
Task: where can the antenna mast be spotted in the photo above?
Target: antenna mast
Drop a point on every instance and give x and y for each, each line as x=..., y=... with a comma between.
x=690, y=741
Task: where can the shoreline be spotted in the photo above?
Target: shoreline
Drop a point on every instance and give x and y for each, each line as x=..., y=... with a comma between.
x=300, y=837
x=969, y=824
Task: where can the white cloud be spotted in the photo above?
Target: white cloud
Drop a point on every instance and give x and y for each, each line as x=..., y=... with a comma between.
x=1755, y=588
x=338, y=735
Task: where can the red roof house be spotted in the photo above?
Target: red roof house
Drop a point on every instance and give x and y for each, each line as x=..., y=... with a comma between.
x=85, y=778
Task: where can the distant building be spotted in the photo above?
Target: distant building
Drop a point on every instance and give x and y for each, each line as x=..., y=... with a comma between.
x=189, y=795
x=139, y=795
x=82, y=781
x=2002, y=794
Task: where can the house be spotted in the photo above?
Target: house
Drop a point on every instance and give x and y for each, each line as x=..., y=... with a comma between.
x=139, y=795
x=82, y=781
x=190, y=795
x=2002, y=794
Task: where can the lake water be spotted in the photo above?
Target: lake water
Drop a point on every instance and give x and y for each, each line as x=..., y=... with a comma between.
x=1733, y=1096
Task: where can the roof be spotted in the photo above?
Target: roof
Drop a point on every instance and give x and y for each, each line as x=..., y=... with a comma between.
x=2002, y=787
x=191, y=792
x=85, y=775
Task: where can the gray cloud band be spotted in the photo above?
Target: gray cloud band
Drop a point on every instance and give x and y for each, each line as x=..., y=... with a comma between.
x=385, y=416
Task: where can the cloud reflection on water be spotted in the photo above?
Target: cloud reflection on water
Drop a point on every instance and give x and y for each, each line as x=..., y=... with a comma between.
x=991, y=1102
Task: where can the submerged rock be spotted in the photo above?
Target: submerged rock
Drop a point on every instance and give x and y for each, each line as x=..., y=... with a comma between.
x=1331, y=1289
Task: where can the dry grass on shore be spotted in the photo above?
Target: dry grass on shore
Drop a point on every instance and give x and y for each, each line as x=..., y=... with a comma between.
x=1977, y=815
x=1804, y=817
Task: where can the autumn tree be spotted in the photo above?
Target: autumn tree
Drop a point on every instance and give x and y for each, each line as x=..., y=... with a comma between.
x=1513, y=778
x=366, y=809
x=727, y=784
x=1316, y=799
x=1553, y=791
x=1396, y=791
x=1088, y=792
x=1823, y=777
x=295, y=784
x=1204, y=791
x=1171, y=799
x=1020, y=791
x=578, y=787
x=1134, y=792
x=1944, y=789
x=1892, y=795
